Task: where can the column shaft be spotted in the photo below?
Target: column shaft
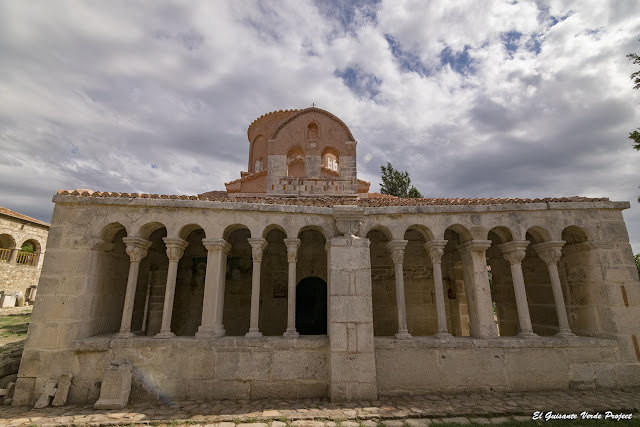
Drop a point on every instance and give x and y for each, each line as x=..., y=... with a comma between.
x=514, y=252
x=137, y=250
x=292, y=257
x=257, y=247
x=563, y=320
x=550, y=253
x=175, y=249
x=435, y=250
x=396, y=247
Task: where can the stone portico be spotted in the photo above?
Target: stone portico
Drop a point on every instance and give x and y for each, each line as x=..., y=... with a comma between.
x=352, y=296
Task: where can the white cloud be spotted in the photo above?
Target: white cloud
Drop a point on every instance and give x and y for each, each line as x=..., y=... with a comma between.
x=475, y=99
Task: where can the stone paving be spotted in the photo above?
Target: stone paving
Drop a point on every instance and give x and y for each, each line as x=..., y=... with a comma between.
x=480, y=408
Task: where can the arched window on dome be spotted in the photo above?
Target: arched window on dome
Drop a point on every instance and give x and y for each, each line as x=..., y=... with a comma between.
x=330, y=160
x=259, y=165
x=313, y=131
x=295, y=162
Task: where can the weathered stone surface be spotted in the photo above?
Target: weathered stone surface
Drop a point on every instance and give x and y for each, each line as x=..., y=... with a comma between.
x=116, y=386
x=62, y=391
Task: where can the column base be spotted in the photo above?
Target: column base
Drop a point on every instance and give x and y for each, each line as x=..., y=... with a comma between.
x=291, y=333
x=443, y=335
x=253, y=333
x=403, y=335
x=565, y=334
x=123, y=335
x=210, y=332
x=527, y=335
x=164, y=335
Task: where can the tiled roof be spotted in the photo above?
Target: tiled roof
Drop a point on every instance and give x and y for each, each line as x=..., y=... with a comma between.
x=375, y=201
x=9, y=212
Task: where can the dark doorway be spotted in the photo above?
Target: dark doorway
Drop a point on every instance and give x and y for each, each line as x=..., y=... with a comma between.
x=311, y=306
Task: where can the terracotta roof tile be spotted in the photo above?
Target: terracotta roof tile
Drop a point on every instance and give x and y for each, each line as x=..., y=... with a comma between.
x=9, y=212
x=378, y=200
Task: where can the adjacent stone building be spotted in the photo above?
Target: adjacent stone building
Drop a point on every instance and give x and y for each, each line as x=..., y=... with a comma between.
x=20, y=269
x=296, y=282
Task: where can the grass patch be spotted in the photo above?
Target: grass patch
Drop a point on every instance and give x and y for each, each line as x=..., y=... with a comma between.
x=14, y=327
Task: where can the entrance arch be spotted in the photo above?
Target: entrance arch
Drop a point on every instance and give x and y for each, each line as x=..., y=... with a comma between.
x=311, y=306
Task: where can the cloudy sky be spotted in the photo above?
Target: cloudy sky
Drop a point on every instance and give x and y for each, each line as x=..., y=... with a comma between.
x=473, y=98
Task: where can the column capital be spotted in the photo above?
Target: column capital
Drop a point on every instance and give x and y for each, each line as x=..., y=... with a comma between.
x=396, y=247
x=257, y=247
x=435, y=250
x=292, y=249
x=216, y=244
x=549, y=252
x=475, y=246
x=175, y=247
x=514, y=251
x=136, y=248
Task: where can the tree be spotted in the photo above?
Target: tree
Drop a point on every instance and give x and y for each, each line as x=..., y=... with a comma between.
x=637, y=258
x=396, y=183
x=27, y=247
x=635, y=135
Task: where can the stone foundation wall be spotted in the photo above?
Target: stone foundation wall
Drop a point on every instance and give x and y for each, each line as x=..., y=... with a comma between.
x=228, y=368
x=427, y=365
x=18, y=277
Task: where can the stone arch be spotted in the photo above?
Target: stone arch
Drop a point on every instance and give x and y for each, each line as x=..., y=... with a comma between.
x=426, y=233
x=109, y=231
x=314, y=227
x=37, y=247
x=382, y=229
x=462, y=232
x=537, y=234
x=234, y=227
x=7, y=241
x=331, y=160
x=295, y=162
x=188, y=229
x=271, y=227
x=147, y=229
x=259, y=153
x=575, y=234
x=500, y=234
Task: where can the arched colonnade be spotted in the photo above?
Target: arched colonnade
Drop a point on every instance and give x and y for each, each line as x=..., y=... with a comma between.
x=454, y=280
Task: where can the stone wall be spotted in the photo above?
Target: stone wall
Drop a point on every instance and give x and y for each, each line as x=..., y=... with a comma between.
x=228, y=368
x=17, y=277
x=13, y=233
x=425, y=365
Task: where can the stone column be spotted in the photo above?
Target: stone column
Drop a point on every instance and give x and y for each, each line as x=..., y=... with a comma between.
x=136, y=249
x=175, y=250
x=550, y=253
x=396, y=247
x=13, y=258
x=514, y=252
x=257, y=249
x=476, y=281
x=435, y=249
x=214, y=284
x=292, y=257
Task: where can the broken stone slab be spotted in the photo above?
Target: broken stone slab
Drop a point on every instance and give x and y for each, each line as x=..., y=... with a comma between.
x=45, y=398
x=63, y=390
x=116, y=386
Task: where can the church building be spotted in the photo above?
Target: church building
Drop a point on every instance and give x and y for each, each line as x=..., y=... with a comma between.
x=296, y=282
